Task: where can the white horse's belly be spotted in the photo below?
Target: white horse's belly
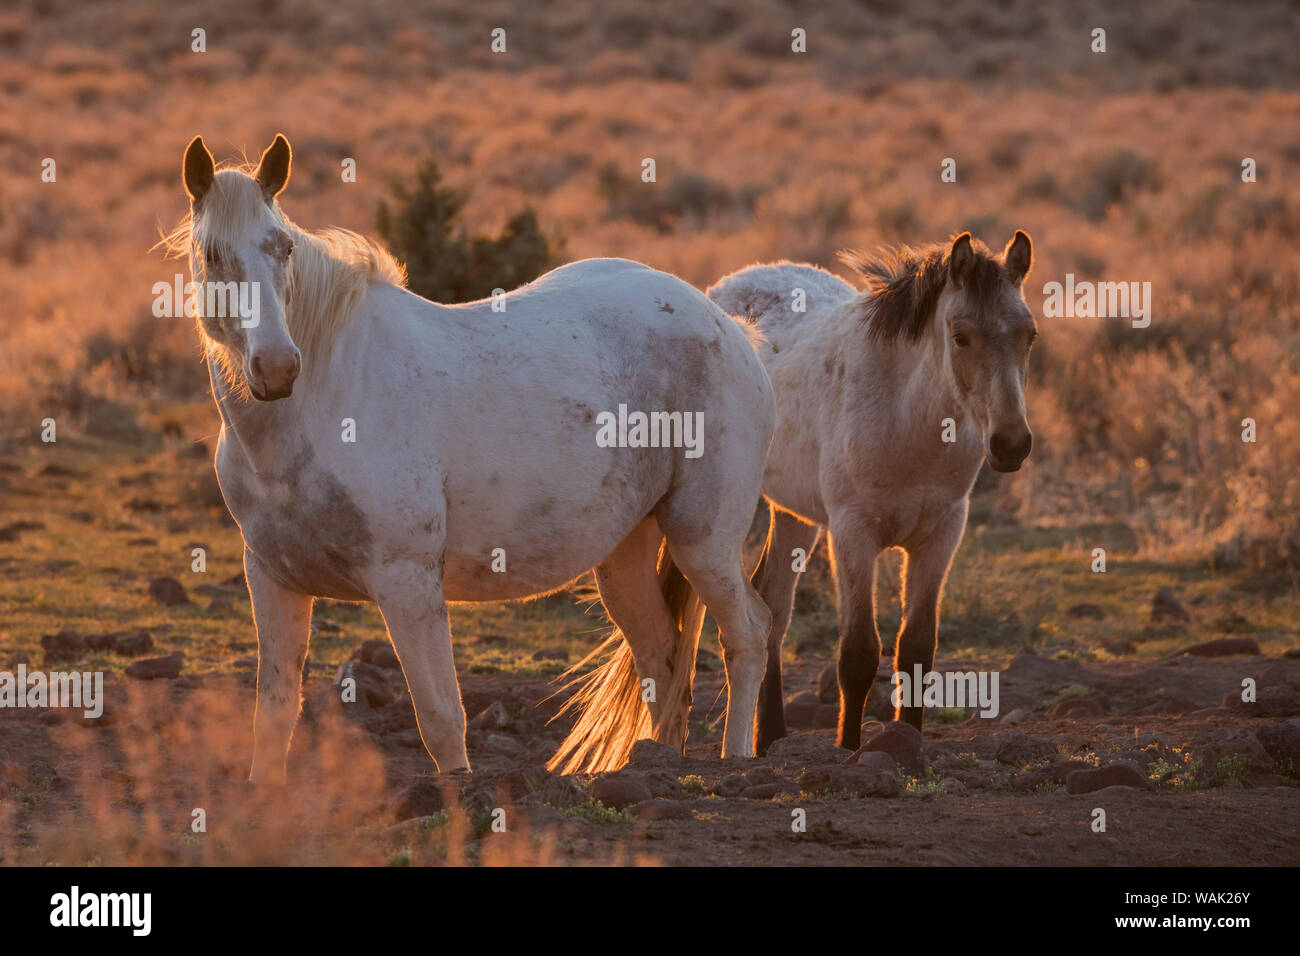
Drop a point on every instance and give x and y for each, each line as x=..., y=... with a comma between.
x=511, y=534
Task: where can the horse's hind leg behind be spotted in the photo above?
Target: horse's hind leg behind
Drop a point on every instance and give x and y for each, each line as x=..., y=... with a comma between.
x=644, y=688
x=708, y=548
x=628, y=581
x=776, y=580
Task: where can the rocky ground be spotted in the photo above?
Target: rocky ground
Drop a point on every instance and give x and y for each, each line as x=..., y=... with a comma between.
x=1161, y=695
x=1166, y=756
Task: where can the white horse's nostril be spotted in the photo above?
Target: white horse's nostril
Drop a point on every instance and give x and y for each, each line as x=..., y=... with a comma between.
x=275, y=370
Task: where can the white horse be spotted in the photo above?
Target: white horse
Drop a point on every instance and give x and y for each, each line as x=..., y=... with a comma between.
x=376, y=446
x=888, y=401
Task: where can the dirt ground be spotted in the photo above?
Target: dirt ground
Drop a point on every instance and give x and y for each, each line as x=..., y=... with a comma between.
x=982, y=792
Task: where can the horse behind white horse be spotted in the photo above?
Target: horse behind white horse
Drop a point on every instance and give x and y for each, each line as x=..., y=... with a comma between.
x=888, y=402
x=376, y=446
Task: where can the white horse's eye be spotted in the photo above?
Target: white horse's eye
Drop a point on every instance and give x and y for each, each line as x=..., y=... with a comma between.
x=962, y=340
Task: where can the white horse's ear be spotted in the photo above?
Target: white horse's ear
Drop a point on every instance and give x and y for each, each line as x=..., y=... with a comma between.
x=961, y=259
x=1018, y=257
x=198, y=170
x=273, y=169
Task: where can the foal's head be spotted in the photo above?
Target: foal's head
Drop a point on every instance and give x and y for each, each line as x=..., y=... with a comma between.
x=970, y=300
x=239, y=235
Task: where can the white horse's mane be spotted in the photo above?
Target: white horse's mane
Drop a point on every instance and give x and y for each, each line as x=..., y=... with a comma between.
x=327, y=273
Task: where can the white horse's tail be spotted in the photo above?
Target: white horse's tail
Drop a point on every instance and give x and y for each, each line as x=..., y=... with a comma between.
x=612, y=715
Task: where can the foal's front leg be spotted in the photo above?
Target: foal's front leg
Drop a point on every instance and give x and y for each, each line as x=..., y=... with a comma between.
x=923, y=577
x=283, y=619
x=411, y=599
x=853, y=559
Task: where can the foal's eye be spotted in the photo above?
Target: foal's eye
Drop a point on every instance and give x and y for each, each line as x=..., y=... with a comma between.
x=961, y=339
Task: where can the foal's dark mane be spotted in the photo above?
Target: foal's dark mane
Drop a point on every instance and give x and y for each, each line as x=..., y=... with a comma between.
x=903, y=285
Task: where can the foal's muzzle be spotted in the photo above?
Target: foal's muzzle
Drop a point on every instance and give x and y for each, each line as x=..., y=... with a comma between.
x=1008, y=449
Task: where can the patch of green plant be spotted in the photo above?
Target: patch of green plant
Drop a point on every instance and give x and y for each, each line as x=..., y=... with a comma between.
x=435, y=820
x=1231, y=772
x=950, y=715
x=1072, y=690
x=481, y=822
x=928, y=784
x=691, y=783
x=593, y=811
x=1175, y=776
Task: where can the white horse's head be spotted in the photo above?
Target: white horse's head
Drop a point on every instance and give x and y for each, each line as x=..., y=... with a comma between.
x=239, y=255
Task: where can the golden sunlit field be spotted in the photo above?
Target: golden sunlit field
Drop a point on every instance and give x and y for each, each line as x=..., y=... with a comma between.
x=1123, y=166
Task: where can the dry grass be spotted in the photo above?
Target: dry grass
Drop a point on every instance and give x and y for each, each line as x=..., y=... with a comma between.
x=166, y=784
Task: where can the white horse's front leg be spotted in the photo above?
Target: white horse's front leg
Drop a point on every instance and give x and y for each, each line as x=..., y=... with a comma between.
x=411, y=600
x=283, y=619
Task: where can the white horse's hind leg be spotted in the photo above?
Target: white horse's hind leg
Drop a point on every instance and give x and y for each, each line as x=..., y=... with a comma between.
x=283, y=619
x=629, y=588
x=714, y=568
x=410, y=598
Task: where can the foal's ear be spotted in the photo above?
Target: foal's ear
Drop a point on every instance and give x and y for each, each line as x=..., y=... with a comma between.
x=198, y=169
x=961, y=259
x=1018, y=257
x=273, y=170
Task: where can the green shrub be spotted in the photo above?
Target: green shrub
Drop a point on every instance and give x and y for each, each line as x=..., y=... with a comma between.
x=446, y=264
